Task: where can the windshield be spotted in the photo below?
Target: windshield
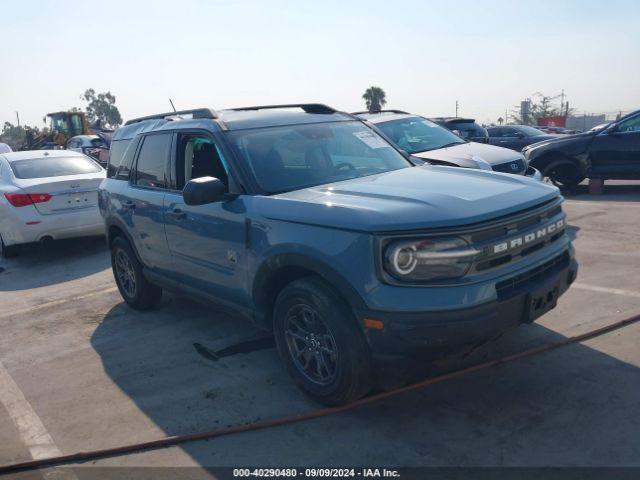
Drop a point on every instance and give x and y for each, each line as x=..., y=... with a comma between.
x=530, y=131
x=53, y=167
x=415, y=134
x=300, y=156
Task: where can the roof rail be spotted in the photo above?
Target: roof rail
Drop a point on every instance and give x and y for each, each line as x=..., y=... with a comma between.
x=195, y=113
x=307, y=107
x=452, y=119
x=382, y=111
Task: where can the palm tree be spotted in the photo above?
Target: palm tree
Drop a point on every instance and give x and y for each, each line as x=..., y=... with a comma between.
x=375, y=99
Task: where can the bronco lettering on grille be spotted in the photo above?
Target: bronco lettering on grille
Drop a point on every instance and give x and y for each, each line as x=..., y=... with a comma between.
x=528, y=238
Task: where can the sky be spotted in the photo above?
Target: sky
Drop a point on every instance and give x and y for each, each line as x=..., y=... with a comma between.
x=425, y=54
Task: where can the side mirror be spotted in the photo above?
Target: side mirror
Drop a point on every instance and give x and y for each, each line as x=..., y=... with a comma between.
x=613, y=129
x=519, y=135
x=201, y=191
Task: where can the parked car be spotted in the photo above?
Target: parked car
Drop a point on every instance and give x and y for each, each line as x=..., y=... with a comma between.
x=557, y=130
x=609, y=152
x=466, y=128
x=47, y=195
x=599, y=127
x=516, y=137
x=4, y=148
x=430, y=142
x=310, y=223
x=91, y=145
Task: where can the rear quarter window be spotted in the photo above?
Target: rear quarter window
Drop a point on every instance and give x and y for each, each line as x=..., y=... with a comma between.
x=121, y=155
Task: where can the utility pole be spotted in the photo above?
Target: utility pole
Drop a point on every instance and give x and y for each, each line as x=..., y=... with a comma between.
x=456, y=108
x=18, y=117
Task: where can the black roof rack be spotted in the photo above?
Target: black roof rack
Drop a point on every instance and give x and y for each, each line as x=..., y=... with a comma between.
x=382, y=111
x=453, y=119
x=307, y=107
x=195, y=113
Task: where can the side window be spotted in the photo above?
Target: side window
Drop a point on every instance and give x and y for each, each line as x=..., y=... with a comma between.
x=198, y=156
x=152, y=161
x=495, y=132
x=120, y=158
x=509, y=132
x=630, y=125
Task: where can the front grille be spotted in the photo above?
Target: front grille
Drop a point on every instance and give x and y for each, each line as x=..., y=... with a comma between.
x=513, y=241
x=517, y=166
x=520, y=283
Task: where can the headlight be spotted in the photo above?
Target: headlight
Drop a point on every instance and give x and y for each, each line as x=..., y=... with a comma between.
x=482, y=163
x=428, y=258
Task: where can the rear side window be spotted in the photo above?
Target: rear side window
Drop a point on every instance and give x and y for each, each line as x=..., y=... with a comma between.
x=152, y=161
x=53, y=167
x=116, y=156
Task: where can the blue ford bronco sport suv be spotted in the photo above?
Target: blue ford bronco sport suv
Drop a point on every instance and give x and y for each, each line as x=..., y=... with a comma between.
x=308, y=222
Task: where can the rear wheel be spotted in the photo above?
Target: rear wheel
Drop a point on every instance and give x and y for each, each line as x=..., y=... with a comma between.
x=320, y=343
x=7, y=251
x=563, y=173
x=135, y=289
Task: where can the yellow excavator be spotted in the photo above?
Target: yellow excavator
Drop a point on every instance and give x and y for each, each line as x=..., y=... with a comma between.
x=61, y=126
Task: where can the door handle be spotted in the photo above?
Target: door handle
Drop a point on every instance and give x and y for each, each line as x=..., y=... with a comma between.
x=177, y=214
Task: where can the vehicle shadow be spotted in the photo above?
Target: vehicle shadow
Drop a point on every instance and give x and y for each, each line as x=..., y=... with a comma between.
x=573, y=406
x=39, y=265
x=618, y=191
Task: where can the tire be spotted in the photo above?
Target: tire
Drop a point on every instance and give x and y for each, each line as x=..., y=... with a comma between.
x=563, y=173
x=135, y=289
x=310, y=321
x=7, y=251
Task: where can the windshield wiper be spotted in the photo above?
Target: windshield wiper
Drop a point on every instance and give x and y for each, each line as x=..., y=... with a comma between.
x=451, y=144
x=439, y=146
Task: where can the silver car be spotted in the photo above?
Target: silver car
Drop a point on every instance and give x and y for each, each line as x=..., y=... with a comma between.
x=47, y=195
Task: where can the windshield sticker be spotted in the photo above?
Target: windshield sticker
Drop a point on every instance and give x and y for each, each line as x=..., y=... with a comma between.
x=371, y=140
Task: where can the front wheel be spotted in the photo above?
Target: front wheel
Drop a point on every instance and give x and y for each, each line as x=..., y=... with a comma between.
x=135, y=289
x=320, y=343
x=563, y=174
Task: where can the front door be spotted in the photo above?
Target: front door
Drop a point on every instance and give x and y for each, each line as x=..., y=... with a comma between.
x=616, y=153
x=207, y=242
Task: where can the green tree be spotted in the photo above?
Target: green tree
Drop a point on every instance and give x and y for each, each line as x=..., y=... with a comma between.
x=542, y=108
x=102, y=108
x=375, y=99
x=15, y=136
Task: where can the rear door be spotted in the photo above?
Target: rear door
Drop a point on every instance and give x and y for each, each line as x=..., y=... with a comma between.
x=144, y=202
x=207, y=242
x=511, y=138
x=616, y=154
x=495, y=135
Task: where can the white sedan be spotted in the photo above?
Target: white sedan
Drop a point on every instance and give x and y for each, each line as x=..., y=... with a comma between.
x=48, y=195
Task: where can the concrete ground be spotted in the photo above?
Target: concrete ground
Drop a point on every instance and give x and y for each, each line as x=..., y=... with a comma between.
x=79, y=371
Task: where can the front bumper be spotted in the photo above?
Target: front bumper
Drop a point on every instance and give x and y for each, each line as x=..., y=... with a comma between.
x=533, y=173
x=410, y=333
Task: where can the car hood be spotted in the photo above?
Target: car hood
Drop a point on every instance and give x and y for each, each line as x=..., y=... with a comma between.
x=466, y=151
x=409, y=199
x=561, y=139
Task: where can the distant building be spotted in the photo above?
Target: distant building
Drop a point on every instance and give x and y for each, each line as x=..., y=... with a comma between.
x=585, y=122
